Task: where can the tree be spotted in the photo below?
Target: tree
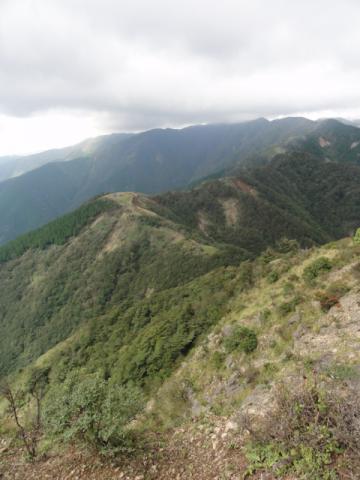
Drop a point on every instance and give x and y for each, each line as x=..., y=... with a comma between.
x=29, y=437
x=36, y=386
x=93, y=411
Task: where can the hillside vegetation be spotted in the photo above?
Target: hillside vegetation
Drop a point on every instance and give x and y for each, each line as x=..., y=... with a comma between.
x=285, y=336
x=157, y=161
x=198, y=315
x=117, y=254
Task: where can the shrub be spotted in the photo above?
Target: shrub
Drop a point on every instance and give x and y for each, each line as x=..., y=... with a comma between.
x=288, y=288
x=241, y=339
x=28, y=432
x=29, y=427
x=327, y=301
x=288, y=307
x=318, y=266
x=92, y=411
x=273, y=277
x=356, y=237
x=284, y=245
x=332, y=295
x=217, y=360
x=267, y=256
x=308, y=429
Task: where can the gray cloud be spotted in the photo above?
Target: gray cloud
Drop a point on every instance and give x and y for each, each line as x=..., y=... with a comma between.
x=141, y=64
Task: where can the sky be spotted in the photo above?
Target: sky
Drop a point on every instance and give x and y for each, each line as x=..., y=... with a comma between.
x=72, y=69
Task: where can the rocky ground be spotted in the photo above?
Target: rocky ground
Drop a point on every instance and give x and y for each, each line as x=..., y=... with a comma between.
x=203, y=451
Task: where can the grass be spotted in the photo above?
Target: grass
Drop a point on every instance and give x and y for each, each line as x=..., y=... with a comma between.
x=208, y=367
x=257, y=308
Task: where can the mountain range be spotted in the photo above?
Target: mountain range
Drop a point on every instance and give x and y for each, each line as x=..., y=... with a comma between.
x=225, y=277
x=124, y=247
x=157, y=161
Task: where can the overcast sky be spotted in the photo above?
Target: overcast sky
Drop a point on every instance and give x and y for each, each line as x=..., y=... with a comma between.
x=71, y=69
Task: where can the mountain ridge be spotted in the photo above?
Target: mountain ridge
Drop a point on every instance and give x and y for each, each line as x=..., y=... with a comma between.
x=149, y=162
x=207, y=302
x=217, y=224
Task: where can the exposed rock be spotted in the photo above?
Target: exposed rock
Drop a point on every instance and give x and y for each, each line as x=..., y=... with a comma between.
x=229, y=362
x=300, y=332
x=231, y=425
x=227, y=330
x=323, y=142
x=233, y=384
x=341, y=338
x=258, y=403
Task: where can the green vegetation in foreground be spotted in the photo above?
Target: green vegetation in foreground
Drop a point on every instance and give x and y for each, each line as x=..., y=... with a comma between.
x=319, y=265
x=94, y=412
x=242, y=339
x=312, y=433
x=129, y=354
x=309, y=428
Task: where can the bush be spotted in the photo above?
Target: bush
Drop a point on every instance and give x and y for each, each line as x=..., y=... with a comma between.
x=288, y=307
x=288, y=288
x=217, y=360
x=332, y=295
x=327, y=300
x=307, y=431
x=318, y=266
x=273, y=277
x=267, y=256
x=356, y=237
x=284, y=245
x=241, y=339
x=92, y=411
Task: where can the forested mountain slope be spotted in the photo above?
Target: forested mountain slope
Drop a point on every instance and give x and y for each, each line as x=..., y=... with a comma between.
x=149, y=162
x=248, y=370
x=160, y=160
x=202, y=302
x=331, y=140
x=121, y=249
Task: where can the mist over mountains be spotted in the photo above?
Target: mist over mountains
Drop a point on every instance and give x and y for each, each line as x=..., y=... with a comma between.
x=155, y=161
